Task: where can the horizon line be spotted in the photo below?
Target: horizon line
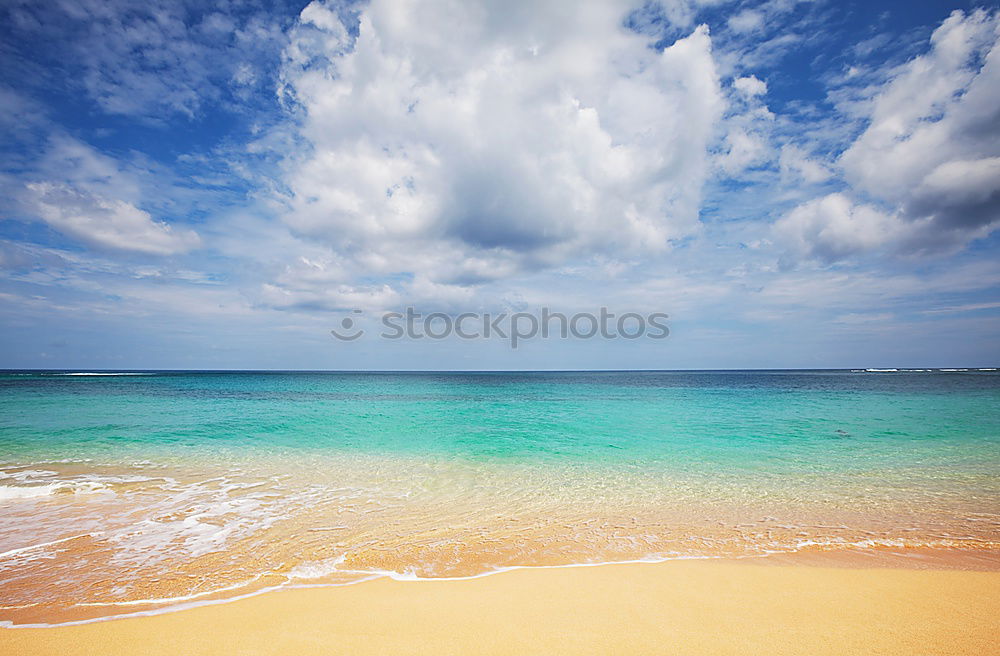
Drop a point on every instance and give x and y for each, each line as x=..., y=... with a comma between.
x=896, y=369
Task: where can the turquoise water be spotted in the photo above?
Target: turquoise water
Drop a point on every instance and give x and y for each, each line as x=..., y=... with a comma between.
x=783, y=422
x=236, y=480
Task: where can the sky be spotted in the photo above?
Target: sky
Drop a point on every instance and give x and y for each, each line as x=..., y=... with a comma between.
x=218, y=185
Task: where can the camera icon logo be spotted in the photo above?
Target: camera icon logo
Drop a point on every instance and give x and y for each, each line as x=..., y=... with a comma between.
x=349, y=333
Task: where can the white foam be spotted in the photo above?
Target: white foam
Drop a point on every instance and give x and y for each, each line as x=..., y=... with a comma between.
x=329, y=528
x=174, y=600
x=317, y=569
x=32, y=547
x=26, y=475
x=7, y=624
x=83, y=485
x=29, y=491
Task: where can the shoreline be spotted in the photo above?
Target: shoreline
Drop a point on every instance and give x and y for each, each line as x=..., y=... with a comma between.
x=916, y=559
x=701, y=606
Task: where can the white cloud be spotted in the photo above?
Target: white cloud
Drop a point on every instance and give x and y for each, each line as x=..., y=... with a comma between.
x=98, y=200
x=968, y=307
x=462, y=142
x=750, y=86
x=854, y=318
x=939, y=107
x=930, y=155
x=761, y=34
x=748, y=128
x=743, y=149
x=746, y=21
x=959, y=193
x=833, y=227
x=796, y=164
x=81, y=166
x=106, y=223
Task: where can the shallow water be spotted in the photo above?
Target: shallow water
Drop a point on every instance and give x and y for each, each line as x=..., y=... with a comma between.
x=132, y=492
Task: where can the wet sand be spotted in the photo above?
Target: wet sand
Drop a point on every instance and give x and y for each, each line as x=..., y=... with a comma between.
x=689, y=607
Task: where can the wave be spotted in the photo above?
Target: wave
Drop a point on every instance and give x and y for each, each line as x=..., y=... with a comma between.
x=32, y=547
x=32, y=491
x=103, y=373
x=34, y=483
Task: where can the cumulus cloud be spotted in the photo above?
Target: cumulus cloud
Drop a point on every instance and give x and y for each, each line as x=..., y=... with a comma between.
x=748, y=126
x=930, y=154
x=833, y=227
x=797, y=165
x=463, y=141
x=743, y=150
x=959, y=194
x=941, y=107
x=750, y=86
x=106, y=223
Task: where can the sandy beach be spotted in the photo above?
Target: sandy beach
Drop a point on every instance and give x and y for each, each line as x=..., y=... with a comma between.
x=691, y=607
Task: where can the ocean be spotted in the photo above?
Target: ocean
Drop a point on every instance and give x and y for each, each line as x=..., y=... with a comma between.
x=125, y=492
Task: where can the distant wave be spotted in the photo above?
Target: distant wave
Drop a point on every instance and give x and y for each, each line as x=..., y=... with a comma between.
x=950, y=370
x=103, y=373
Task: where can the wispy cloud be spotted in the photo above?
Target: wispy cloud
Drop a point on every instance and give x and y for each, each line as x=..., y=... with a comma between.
x=970, y=307
x=106, y=223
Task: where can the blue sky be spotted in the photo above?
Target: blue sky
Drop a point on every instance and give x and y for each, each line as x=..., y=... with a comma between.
x=216, y=185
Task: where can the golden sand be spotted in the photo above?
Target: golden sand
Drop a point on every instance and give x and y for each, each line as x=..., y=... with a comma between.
x=680, y=607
